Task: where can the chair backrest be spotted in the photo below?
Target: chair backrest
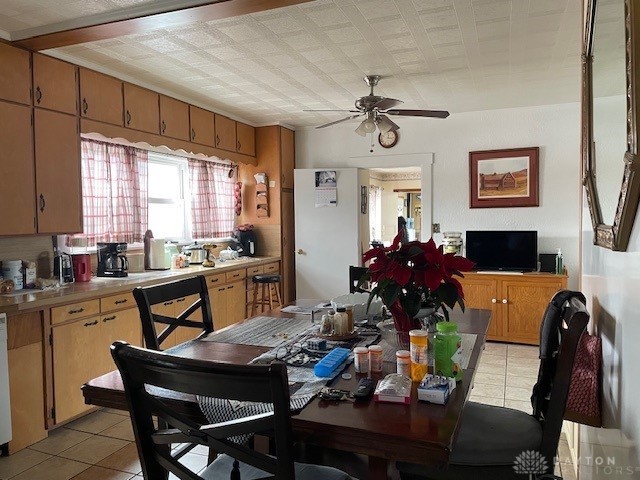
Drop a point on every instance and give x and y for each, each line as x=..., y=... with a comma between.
x=560, y=335
x=148, y=297
x=355, y=277
x=142, y=368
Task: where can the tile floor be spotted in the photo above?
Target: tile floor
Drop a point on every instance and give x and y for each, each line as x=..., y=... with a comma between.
x=101, y=445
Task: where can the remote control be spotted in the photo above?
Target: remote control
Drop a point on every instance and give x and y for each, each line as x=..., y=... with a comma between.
x=365, y=388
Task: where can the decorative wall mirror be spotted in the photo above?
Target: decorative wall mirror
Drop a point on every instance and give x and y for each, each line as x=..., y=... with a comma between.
x=610, y=109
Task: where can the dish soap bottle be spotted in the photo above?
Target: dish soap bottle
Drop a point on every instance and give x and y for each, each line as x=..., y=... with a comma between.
x=559, y=267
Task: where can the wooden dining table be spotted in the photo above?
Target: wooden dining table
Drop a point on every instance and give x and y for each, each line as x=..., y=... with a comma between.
x=419, y=432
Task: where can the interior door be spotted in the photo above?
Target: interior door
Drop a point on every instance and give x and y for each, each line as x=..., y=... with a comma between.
x=327, y=238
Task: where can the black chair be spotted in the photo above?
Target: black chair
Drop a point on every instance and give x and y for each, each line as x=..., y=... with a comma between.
x=148, y=297
x=143, y=369
x=355, y=279
x=491, y=438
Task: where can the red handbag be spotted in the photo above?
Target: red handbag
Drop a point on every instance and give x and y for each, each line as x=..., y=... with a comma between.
x=584, y=400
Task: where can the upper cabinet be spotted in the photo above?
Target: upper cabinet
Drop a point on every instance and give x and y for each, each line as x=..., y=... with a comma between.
x=202, y=128
x=15, y=74
x=245, y=139
x=174, y=118
x=141, y=110
x=55, y=84
x=225, y=133
x=100, y=97
x=287, y=153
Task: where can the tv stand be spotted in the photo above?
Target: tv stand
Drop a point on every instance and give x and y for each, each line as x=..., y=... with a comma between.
x=517, y=301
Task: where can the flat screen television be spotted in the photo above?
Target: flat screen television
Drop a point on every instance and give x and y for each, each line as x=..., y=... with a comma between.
x=503, y=250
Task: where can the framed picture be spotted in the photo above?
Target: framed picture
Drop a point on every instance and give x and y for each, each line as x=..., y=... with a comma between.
x=504, y=178
x=363, y=199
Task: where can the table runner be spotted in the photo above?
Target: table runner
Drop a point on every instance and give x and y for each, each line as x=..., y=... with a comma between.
x=262, y=331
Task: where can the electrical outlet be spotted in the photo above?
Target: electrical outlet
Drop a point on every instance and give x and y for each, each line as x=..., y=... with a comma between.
x=436, y=228
x=272, y=183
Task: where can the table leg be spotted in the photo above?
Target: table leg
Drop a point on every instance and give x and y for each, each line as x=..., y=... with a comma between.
x=377, y=468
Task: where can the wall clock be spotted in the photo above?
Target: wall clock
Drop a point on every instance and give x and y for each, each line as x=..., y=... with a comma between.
x=389, y=139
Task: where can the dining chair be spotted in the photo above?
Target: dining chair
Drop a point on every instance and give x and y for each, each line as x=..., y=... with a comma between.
x=355, y=277
x=142, y=370
x=498, y=442
x=164, y=294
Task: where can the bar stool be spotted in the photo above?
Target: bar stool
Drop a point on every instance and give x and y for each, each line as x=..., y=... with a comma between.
x=270, y=285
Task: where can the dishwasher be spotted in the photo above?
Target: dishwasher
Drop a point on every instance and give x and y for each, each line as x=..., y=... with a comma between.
x=5, y=407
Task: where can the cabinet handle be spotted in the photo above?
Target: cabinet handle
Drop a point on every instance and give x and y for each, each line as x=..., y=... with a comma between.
x=168, y=303
x=77, y=310
x=230, y=287
x=504, y=300
x=217, y=140
x=164, y=127
x=89, y=324
x=221, y=289
x=42, y=203
x=239, y=146
x=180, y=300
x=108, y=319
x=119, y=302
x=193, y=134
x=85, y=106
x=128, y=118
x=493, y=300
x=38, y=94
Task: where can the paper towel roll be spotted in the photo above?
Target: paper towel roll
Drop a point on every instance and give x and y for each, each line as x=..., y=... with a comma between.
x=156, y=254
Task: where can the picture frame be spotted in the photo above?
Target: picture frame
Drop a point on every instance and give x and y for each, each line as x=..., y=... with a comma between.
x=364, y=196
x=504, y=178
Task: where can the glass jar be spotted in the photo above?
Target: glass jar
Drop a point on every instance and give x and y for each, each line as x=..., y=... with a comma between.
x=448, y=351
x=452, y=242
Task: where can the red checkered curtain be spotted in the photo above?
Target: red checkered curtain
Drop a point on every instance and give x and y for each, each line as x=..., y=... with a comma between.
x=114, y=194
x=212, y=213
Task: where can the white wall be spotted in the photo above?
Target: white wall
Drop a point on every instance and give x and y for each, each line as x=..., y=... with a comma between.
x=553, y=128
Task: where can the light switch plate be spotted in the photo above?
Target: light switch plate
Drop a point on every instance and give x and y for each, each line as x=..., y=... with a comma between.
x=436, y=228
x=272, y=183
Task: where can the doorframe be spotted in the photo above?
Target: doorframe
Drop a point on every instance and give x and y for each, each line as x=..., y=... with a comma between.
x=422, y=160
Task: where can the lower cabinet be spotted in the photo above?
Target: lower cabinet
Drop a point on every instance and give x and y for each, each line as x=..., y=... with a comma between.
x=227, y=304
x=517, y=302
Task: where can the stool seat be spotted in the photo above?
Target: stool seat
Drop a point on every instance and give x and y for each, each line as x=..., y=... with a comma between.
x=266, y=279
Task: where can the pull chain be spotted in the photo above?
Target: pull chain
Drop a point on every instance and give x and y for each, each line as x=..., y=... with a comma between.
x=371, y=151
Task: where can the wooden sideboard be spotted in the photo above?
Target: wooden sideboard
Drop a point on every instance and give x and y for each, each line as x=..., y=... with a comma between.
x=517, y=302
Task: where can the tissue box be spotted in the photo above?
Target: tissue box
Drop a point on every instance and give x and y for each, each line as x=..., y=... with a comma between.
x=435, y=389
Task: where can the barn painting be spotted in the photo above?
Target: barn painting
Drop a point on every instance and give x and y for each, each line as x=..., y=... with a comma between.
x=503, y=177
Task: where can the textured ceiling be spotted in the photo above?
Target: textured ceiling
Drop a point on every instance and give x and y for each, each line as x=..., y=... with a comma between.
x=459, y=55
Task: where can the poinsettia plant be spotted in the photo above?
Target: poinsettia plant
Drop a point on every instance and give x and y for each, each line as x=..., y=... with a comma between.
x=415, y=275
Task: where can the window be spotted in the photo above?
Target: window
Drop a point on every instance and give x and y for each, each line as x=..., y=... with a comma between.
x=168, y=190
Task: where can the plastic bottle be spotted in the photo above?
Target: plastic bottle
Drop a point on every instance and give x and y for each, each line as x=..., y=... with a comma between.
x=341, y=322
x=361, y=359
x=559, y=267
x=418, y=343
x=448, y=351
x=375, y=358
x=403, y=363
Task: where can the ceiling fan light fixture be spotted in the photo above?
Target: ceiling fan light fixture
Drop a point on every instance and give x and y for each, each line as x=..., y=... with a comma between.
x=361, y=129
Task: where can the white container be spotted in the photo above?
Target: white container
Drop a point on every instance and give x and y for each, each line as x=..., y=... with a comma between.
x=341, y=322
x=403, y=363
x=375, y=358
x=361, y=359
x=156, y=255
x=12, y=270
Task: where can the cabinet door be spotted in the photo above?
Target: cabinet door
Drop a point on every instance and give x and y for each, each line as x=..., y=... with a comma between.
x=16, y=169
x=202, y=126
x=55, y=85
x=123, y=325
x=482, y=293
x=168, y=309
x=246, y=139
x=236, y=301
x=225, y=133
x=288, y=246
x=287, y=153
x=184, y=334
x=524, y=303
x=174, y=118
x=58, y=182
x=141, y=110
x=218, y=299
x=15, y=74
x=101, y=97
x=74, y=363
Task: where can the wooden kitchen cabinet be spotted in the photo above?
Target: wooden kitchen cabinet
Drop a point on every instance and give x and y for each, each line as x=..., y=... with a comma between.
x=141, y=109
x=288, y=246
x=55, y=84
x=245, y=139
x=517, y=302
x=184, y=334
x=287, y=156
x=15, y=74
x=57, y=168
x=122, y=325
x=101, y=97
x=168, y=309
x=174, y=118
x=16, y=169
x=228, y=304
x=225, y=133
x=218, y=299
x=202, y=126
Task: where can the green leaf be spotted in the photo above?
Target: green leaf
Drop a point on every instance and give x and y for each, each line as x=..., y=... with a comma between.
x=390, y=294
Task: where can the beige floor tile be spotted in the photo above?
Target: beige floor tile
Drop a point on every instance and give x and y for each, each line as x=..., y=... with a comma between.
x=515, y=393
x=122, y=430
x=564, y=454
x=523, y=362
x=488, y=390
x=123, y=413
x=95, y=422
x=55, y=468
x=490, y=378
x=521, y=382
x=493, y=348
x=519, y=405
x=568, y=472
x=498, y=402
x=194, y=462
x=99, y=473
x=20, y=461
x=521, y=371
x=60, y=440
x=94, y=449
x=523, y=351
x=124, y=460
x=201, y=450
x=494, y=361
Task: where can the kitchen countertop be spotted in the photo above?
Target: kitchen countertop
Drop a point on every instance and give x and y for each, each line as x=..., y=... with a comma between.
x=28, y=300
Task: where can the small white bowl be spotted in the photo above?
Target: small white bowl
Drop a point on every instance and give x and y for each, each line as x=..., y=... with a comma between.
x=359, y=302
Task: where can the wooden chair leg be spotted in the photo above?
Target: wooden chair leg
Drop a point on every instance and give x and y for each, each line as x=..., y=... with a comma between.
x=263, y=301
x=279, y=295
x=255, y=297
x=270, y=296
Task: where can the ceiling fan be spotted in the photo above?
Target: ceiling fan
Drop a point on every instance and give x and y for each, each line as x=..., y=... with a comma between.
x=376, y=109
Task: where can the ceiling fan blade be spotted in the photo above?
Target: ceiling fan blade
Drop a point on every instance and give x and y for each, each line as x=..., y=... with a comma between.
x=339, y=121
x=419, y=113
x=345, y=110
x=387, y=103
x=386, y=125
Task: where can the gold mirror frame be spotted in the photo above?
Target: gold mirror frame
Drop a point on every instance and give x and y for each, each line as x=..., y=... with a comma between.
x=616, y=236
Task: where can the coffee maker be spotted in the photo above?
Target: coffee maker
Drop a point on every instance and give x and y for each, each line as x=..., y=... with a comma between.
x=112, y=259
x=245, y=242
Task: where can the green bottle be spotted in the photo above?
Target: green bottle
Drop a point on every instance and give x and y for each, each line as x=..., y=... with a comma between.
x=448, y=350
